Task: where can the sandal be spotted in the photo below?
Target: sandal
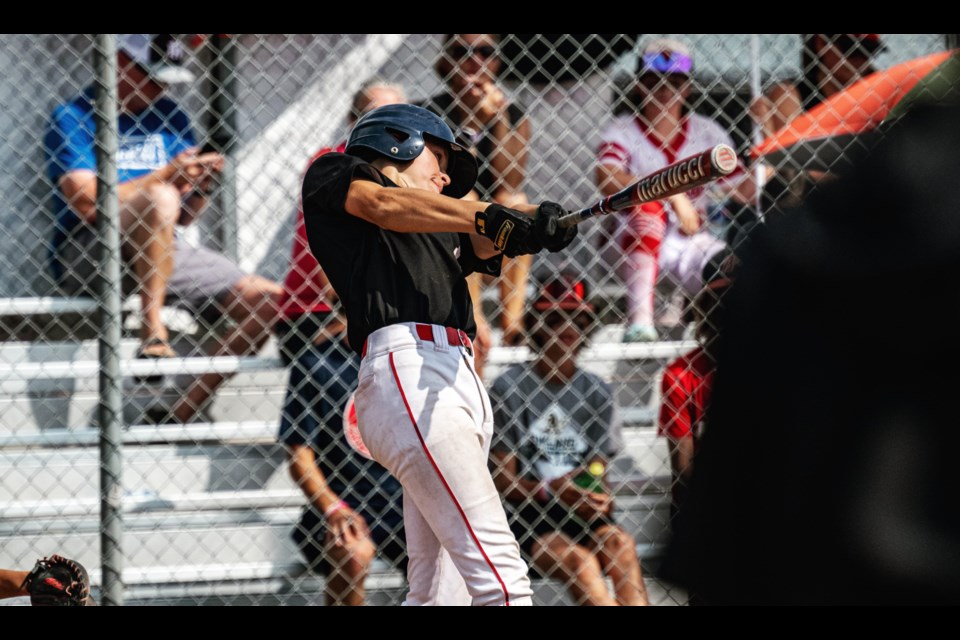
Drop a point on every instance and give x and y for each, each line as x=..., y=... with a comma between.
x=153, y=348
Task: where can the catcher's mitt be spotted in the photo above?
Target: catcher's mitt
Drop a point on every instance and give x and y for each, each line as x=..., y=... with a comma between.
x=58, y=582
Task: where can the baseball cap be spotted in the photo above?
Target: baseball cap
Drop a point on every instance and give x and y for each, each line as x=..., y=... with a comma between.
x=666, y=56
x=849, y=43
x=161, y=55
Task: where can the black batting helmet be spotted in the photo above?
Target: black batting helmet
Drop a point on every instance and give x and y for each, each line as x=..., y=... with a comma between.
x=398, y=132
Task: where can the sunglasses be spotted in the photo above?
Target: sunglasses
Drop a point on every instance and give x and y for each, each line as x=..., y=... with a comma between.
x=462, y=52
x=558, y=319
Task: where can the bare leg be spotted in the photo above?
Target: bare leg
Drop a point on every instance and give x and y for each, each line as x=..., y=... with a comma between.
x=253, y=304
x=617, y=552
x=10, y=582
x=513, y=295
x=513, y=283
x=557, y=557
x=349, y=565
x=148, y=222
x=484, y=339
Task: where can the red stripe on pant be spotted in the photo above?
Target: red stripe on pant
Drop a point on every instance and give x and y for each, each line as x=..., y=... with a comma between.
x=433, y=463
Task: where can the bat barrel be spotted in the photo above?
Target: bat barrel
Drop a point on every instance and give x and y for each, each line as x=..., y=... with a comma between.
x=690, y=172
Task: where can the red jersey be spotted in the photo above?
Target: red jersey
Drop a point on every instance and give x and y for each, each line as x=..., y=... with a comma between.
x=686, y=389
x=302, y=288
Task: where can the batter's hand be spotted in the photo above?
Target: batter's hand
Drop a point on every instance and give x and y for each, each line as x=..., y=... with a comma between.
x=547, y=230
x=510, y=230
x=344, y=527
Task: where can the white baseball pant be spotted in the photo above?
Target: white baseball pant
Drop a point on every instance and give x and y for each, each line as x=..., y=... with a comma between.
x=684, y=257
x=425, y=416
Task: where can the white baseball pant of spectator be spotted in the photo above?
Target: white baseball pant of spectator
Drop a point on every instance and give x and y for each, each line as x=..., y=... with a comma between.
x=684, y=257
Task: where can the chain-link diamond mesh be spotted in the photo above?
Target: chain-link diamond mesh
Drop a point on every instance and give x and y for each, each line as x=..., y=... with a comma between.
x=241, y=486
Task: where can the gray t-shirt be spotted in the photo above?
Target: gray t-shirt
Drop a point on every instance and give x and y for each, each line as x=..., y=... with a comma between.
x=551, y=428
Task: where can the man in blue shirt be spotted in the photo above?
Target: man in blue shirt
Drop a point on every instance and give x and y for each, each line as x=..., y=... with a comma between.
x=164, y=182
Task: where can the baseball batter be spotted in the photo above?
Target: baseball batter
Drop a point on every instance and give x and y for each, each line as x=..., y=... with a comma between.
x=663, y=234
x=385, y=222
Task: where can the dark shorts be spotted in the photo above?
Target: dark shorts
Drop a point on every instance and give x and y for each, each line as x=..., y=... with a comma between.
x=200, y=282
x=322, y=378
x=530, y=522
x=386, y=529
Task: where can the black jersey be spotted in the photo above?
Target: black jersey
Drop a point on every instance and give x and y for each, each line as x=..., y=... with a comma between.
x=384, y=277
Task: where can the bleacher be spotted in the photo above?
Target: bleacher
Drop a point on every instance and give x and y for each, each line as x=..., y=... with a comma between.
x=210, y=506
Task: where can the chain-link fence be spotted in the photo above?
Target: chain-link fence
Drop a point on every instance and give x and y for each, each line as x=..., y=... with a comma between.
x=235, y=386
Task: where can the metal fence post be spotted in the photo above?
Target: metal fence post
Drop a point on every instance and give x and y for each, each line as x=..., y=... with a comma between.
x=108, y=231
x=222, y=114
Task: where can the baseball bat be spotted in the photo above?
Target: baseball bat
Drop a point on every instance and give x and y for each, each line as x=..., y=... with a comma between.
x=680, y=176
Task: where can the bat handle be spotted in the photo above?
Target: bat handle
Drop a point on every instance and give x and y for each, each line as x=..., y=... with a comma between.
x=576, y=217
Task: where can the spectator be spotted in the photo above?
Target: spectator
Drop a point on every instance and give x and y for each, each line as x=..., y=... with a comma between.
x=830, y=445
x=354, y=504
x=830, y=62
x=553, y=422
x=500, y=133
x=776, y=108
x=164, y=182
x=688, y=380
x=665, y=234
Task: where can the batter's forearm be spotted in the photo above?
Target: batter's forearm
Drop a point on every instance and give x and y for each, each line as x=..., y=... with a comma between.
x=411, y=210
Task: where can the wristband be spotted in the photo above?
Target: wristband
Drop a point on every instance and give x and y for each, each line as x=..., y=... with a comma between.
x=336, y=506
x=543, y=491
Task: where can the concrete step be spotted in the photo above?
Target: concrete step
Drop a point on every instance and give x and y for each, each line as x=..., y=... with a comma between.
x=74, y=473
x=161, y=539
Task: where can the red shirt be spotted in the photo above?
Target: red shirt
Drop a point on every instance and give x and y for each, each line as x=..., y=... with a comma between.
x=686, y=389
x=302, y=288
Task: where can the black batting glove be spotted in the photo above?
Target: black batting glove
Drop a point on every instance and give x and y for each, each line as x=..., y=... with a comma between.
x=547, y=229
x=510, y=230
